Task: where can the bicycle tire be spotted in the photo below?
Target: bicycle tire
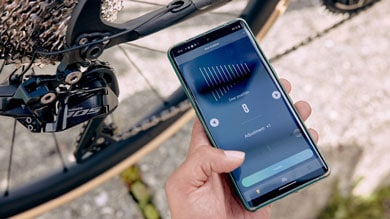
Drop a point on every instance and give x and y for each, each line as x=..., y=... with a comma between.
x=35, y=198
x=339, y=6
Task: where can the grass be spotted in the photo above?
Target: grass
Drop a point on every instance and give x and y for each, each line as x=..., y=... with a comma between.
x=374, y=206
x=140, y=192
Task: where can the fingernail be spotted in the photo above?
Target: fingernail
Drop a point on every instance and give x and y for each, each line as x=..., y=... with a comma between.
x=235, y=154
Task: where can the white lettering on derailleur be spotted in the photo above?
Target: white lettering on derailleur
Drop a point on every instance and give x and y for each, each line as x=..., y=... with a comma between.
x=76, y=112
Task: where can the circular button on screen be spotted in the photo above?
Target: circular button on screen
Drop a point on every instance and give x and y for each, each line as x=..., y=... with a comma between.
x=214, y=122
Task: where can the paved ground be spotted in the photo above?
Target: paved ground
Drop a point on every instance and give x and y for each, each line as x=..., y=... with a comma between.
x=344, y=75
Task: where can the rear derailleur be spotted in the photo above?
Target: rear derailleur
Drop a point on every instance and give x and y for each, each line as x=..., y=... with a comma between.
x=53, y=103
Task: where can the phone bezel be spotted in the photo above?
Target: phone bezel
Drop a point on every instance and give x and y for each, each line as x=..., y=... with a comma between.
x=209, y=36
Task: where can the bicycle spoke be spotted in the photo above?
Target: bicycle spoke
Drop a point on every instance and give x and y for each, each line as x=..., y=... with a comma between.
x=33, y=71
x=162, y=5
x=147, y=3
x=64, y=168
x=230, y=14
x=139, y=71
x=146, y=48
x=2, y=67
x=8, y=179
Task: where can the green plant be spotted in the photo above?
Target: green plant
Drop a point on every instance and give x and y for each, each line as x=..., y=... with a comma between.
x=140, y=192
x=374, y=206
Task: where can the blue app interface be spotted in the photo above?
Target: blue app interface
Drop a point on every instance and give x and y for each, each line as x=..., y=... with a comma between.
x=245, y=110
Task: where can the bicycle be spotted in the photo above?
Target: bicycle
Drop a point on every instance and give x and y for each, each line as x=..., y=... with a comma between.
x=69, y=98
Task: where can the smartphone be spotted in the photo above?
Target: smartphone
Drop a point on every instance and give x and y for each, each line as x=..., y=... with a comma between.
x=243, y=106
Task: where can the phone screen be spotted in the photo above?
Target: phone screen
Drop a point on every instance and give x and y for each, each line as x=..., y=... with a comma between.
x=243, y=107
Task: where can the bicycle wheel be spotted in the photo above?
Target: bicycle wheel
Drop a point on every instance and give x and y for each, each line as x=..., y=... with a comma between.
x=153, y=90
x=343, y=6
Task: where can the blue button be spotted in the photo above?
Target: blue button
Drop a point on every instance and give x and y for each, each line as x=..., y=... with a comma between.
x=277, y=168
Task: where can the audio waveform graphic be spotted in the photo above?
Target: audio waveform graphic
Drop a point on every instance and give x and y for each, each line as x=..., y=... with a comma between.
x=220, y=79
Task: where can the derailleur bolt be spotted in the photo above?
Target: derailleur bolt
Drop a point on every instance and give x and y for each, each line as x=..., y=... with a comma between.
x=100, y=140
x=48, y=98
x=83, y=41
x=29, y=120
x=106, y=40
x=73, y=77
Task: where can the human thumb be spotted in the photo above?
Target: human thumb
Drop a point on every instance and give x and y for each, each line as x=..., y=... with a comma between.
x=205, y=161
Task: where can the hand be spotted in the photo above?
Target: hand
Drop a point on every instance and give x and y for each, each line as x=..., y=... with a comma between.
x=200, y=187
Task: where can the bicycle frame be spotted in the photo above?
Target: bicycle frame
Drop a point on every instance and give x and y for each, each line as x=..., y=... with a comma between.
x=89, y=35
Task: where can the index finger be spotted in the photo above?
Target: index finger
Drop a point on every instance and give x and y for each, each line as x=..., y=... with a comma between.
x=198, y=136
x=286, y=84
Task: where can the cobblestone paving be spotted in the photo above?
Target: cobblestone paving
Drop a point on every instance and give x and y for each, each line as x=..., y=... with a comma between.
x=344, y=75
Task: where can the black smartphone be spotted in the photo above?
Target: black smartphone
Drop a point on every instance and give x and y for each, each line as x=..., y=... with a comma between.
x=243, y=106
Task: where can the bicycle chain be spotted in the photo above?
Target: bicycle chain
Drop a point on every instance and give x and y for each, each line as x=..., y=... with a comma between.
x=318, y=35
x=310, y=39
x=144, y=125
x=155, y=120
